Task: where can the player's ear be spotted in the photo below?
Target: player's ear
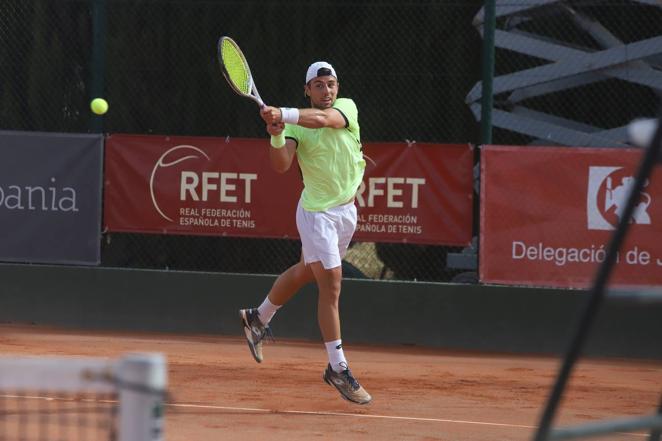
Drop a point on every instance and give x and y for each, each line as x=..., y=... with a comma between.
x=305, y=91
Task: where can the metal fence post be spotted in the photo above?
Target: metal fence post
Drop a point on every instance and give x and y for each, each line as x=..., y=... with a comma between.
x=98, y=62
x=489, y=24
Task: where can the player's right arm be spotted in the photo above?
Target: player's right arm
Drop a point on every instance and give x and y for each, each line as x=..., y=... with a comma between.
x=281, y=156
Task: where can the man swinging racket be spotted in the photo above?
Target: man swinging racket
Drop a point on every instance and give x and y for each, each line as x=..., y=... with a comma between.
x=326, y=140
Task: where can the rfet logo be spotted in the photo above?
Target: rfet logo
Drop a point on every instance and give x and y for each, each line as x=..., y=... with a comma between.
x=607, y=195
x=183, y=180
x=172, y=157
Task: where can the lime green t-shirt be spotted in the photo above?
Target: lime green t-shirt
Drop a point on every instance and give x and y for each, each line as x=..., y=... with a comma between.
x=331, y=160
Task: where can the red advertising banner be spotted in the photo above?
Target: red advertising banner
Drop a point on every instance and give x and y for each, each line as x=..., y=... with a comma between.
x=416, y=193
x=547, y=214
x=221, y=186
x=201, y=186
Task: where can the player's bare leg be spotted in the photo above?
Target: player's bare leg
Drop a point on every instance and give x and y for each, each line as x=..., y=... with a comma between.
x=328, y=315
x=328, y=284
x=290, y=282
x=255, y=325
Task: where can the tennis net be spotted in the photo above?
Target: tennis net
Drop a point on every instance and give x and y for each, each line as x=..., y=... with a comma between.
x=82, y=399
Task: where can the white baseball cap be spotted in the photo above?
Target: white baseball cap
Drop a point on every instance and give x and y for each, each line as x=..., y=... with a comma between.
x=318, y=69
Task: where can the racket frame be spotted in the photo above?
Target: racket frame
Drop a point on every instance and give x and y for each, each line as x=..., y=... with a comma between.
x=254, y=95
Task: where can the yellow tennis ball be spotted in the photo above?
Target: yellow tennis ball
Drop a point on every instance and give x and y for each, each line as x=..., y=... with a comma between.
x=99, y=106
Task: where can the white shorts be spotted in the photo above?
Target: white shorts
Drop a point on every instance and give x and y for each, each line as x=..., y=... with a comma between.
x=325, y=235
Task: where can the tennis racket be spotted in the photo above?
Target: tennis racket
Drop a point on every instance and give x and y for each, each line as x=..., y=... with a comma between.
x=236, y=71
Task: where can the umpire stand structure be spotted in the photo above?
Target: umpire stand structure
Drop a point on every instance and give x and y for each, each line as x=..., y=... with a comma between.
x=562, y=66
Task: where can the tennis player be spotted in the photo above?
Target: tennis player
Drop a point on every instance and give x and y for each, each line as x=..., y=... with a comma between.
x=326, y=140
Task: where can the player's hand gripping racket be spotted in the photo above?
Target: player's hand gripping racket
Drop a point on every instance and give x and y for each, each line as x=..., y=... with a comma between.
x=235, y=69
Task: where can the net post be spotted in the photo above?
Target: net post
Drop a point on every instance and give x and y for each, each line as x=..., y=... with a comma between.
x=142, y=381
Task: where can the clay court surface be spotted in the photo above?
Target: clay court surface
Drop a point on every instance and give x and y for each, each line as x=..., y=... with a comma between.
x=219, y=393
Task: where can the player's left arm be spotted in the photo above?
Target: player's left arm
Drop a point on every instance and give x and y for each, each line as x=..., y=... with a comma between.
x=318, y=118
x=310, y=118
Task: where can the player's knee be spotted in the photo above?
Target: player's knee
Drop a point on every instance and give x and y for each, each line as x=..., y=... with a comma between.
x=331, y=291
x=303, y=274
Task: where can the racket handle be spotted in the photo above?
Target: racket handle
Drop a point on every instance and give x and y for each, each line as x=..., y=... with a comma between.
x=262, y=106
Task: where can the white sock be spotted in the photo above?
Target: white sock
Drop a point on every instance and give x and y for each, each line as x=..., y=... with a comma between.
x=337, y=358
x=267, y=311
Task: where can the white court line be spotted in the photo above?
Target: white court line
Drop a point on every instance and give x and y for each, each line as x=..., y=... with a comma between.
x=361, y=415
x=356, y=415
x=338, y=414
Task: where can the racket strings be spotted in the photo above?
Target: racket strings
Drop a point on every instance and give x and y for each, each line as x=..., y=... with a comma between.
x=236, y=67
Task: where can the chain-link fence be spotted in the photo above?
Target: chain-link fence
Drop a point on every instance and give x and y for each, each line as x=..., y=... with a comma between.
x=409, y=65
x=406, y=64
